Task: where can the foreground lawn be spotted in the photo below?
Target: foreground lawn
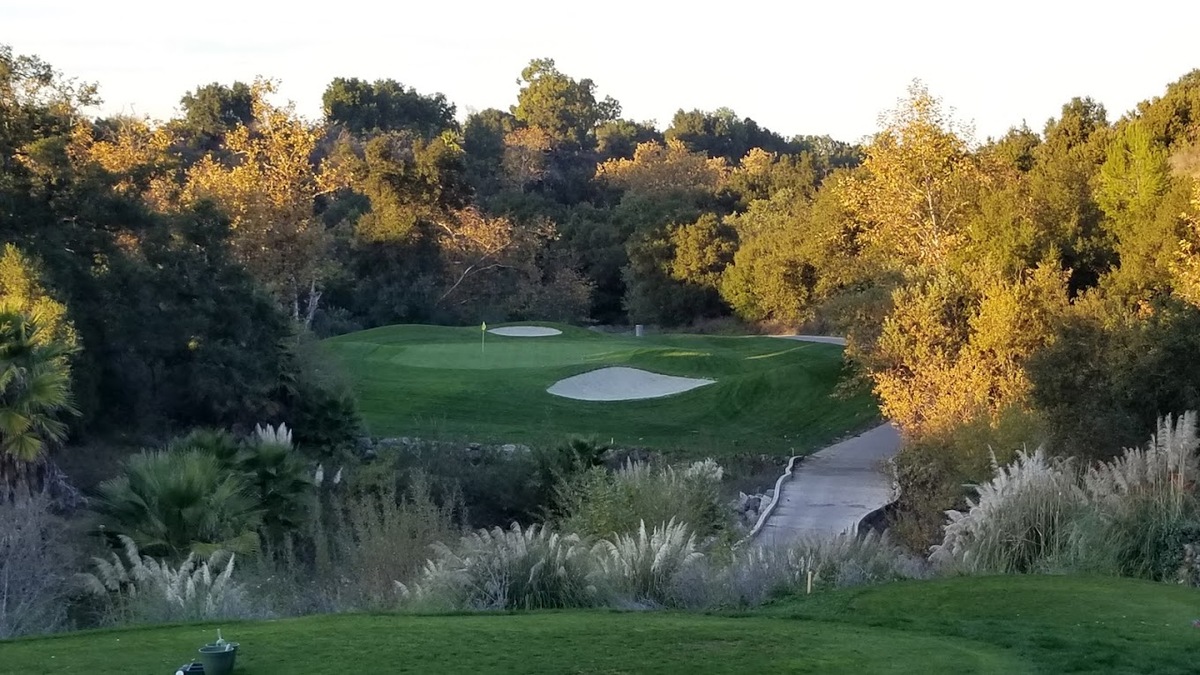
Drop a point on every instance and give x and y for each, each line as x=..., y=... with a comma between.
x=771, y=395
x=988, y=625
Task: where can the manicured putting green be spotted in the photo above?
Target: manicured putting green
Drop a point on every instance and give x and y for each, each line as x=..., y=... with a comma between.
x=501, y=354
x=770, y=396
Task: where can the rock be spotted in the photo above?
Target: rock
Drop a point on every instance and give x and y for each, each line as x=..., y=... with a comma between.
x=742, y=500
x=509, y=449
x=753, y=503
x=770, y=494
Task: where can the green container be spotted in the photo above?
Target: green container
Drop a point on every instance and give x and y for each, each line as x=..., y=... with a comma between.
x=218, y=659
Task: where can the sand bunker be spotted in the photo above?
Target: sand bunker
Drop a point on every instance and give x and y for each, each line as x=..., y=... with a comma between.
x=623, y=384
x=525, y=331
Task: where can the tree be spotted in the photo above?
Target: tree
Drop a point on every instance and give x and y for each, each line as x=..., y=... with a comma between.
x=722, y=134
x=212, y=110
x=658, y=170
x=703, y=250
x=35, y=393
x=484, y=145
x=268, y=191
x=561, y=106
x=1185, y=268
x=526, y=156
x=407, y=180
x=386, y=105
x=919, y=185
x=22, y=292
x=619, y=138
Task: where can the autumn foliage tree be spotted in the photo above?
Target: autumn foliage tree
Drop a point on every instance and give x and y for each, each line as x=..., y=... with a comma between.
x=268, y=189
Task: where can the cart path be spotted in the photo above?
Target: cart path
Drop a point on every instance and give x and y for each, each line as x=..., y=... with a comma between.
x=833, y=489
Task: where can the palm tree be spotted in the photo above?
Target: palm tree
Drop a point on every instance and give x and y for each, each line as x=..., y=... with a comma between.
x=35, y=391
x=176, y=502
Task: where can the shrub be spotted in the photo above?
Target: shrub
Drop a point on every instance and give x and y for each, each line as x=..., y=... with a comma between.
x=755, y=574
x=358, y=541
x=1020, y=521
x=1134, y=515
x=933, y=472
x=643, y=566
x=34, y=567
x=277, y=477
x=174, y=503
x=140, y=589
x=1144, y=509
x=602, y=503
x=387, y=537
x=494, y=487
x=496, y=569
x=318, y=398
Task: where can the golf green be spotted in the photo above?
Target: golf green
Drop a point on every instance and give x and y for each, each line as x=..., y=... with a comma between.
x=771, y=396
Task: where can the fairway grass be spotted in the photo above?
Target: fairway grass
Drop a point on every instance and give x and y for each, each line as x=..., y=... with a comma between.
x=964, y=625
x=770, y=396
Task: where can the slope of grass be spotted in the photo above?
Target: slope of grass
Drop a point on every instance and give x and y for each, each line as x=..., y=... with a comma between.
x=1056, y=624
x=968, y=625
x=437, y=382
x=540, y=643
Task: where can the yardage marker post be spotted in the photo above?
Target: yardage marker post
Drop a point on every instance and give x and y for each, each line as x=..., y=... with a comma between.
x=482, y=337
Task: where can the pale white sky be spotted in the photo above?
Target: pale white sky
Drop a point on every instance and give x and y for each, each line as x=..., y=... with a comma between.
x=799, y=67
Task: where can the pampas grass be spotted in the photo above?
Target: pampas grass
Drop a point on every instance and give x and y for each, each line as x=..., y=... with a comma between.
x=756, y=574
x=498, y=569
x=642, y=567
x=1132, y=515
x=601, y=503
x=140, y=589
x=1019, y=521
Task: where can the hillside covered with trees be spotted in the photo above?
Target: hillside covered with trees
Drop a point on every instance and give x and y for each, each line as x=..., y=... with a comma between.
x=161, y=275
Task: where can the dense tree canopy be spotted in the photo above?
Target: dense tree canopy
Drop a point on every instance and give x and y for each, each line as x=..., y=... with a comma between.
x=1022, y=286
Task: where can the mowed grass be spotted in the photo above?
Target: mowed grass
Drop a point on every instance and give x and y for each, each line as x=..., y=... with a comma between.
x=770, y=396
x=966, y=625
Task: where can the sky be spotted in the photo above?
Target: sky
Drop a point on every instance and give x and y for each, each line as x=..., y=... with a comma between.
x=795, y=67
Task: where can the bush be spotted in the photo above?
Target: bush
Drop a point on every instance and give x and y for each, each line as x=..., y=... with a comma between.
x=1020, y=521
x=358, y=541
x=493, y=487
x=934, y=472
x=643, y=567
x=1134, y=515
x=1144, y=509
x=35, y=564
x=757, y=574
x=318, y=398
x=140, y=589
x=601, y=503
x=174, y=503
x=498, y=569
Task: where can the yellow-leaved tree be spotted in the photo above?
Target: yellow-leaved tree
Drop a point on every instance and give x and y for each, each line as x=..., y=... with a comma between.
x=136, y=153
x=268, y=188
x=660, y=170
x=918, y=185
x=1186, y=269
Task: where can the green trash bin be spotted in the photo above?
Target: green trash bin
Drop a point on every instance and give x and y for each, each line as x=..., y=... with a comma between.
x=218, y=659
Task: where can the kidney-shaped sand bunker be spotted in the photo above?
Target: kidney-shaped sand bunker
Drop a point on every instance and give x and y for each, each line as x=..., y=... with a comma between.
x=623, y=384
